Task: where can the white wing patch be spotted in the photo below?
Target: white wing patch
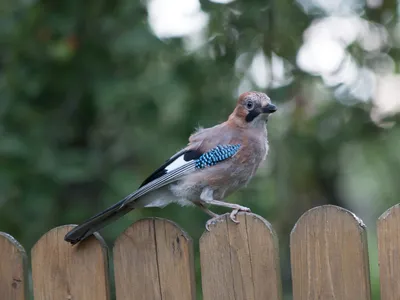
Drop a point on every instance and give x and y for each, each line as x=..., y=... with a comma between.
x=180, y=161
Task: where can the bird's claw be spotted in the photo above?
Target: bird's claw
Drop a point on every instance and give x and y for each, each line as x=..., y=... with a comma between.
x=209, y=222
x=234, y=213
x=232, y=216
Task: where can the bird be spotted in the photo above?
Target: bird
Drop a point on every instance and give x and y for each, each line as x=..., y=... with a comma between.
x=216, y=162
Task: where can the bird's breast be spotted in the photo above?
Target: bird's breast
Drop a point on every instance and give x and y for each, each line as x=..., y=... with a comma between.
x=228, y=175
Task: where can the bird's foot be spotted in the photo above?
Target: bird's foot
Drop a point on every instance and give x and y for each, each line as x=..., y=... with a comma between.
x=232, y=216
x=210, y=222
x=234, y=213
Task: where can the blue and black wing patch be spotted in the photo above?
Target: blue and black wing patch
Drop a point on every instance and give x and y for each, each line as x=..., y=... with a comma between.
x=216, y=155
x=201, y=159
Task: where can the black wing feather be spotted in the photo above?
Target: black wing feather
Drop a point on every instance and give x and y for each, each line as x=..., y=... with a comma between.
x=188, y=155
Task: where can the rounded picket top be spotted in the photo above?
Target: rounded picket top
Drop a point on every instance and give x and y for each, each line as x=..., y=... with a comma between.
x=13, y=270
x=329, y=255
x=244, y=256
x=390, y=214
x=388, y=228
x=332, y=212
x=63, y=271
x=154, y=258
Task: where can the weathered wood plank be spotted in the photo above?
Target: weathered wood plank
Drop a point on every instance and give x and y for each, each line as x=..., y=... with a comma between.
x=13, y=269
x=153, y=259
x=329, y=256
x=389, y=253
x=240, y=261
x=61, y=271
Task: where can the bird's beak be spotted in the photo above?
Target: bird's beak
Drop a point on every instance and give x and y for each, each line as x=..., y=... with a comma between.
x=269, y=108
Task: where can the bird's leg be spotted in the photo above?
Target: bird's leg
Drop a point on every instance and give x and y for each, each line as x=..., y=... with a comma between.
x=207, y=199
x=209, y=212
x=236, y=208
x=206, y=210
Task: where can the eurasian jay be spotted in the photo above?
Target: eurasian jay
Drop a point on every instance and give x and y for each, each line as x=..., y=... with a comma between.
x=216, y=162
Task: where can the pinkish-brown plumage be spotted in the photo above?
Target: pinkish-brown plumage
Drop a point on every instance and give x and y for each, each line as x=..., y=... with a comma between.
x=180, y=179
x=227, y=176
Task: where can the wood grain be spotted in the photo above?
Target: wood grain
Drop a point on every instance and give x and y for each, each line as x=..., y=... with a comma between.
x=61, y=271
x=329, y=256
x=153, y=259
x=240, y=261
x=13, y=269
x=389, y=253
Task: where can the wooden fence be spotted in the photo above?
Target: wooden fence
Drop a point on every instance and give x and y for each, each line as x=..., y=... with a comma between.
x=153, y=259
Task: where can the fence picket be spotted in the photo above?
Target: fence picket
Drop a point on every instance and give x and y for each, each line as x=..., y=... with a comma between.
x=388, y=251
x=13, y=269
x=329, y=256
x=240, y=261
x=62, y=271
x=153, y=259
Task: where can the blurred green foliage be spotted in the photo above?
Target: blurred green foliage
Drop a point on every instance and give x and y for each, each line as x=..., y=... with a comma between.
x=92, y=101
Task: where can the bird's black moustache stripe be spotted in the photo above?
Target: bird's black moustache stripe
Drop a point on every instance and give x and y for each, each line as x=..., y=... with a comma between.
x=252, y=115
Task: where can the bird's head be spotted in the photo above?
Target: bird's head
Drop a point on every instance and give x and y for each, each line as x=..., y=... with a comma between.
x=252, y=109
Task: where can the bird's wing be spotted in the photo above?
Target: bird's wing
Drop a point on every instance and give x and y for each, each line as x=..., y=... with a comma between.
x=179, y=159
x=182, y=163
x=174, y=168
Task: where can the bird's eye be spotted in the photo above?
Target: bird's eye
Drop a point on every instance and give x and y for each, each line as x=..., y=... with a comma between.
x=249, y=105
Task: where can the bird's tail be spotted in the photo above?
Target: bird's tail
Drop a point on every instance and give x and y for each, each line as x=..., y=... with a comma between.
x=97, y=222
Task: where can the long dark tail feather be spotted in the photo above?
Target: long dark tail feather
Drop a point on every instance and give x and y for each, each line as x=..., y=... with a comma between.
x=97, y=222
